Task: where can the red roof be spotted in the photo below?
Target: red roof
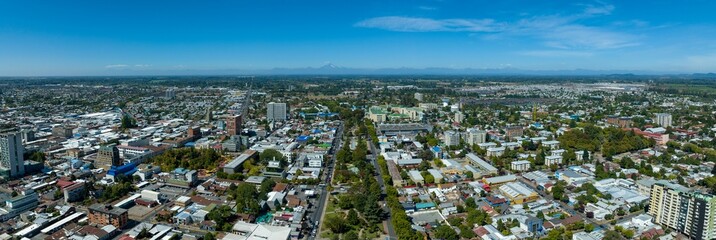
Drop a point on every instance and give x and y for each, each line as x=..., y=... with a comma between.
x=126, y=237
x=480, y=231
x=64, y=183
x=495, y=200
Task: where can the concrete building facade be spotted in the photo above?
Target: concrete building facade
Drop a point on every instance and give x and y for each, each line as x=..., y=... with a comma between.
x=11, y=154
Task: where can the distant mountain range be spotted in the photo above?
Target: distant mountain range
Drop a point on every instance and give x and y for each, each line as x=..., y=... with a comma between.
x=331, y=69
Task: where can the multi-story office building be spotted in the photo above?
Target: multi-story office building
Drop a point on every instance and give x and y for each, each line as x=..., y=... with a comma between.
x=233, y=125
x=108, y=156
x=12, y=163
x=27, y=135
x=690, y=213
x=663, y=119
x=418, y=96
x=276, y=111
x=475, y=136
x=452, y=138
x=62, y=131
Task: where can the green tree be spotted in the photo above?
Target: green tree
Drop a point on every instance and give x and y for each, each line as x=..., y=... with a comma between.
x=445, y=232
x=222, y=216
x=246, y=198
x=336, y=224
x=266, y=187
x=352, y=218
x=271, y=154
x=350, y=235
x=588, y=228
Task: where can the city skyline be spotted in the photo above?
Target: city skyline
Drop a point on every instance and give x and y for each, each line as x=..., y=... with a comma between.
x=222, y=37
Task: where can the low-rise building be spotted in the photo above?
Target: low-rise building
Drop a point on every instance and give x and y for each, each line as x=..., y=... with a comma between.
x=522, y=165
x=100, y=214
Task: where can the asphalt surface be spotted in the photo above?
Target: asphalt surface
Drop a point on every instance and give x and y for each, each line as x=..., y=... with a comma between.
x=328, y=174
x=389, y=224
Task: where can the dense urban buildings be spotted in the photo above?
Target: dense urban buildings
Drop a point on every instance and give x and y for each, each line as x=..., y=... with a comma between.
x=561, y=161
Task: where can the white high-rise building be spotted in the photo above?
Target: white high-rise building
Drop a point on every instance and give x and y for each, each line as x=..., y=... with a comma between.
x=459, y=117
x=683, y=210
x=11, y=151
x=475, y=136
x=418, y=96
x=452, y=138
x=663, y=119
x=170, y=94
x=276, y=111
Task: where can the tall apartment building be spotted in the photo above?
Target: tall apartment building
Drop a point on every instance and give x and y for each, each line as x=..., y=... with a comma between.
x=514, y=131
x=108, y=156
x=459, y=117
x=12, y=163
x=475, y=136
x=233, y=125
x=276, y=111
x=663, y=119
x=452, y=138
x=170, y=94
x=690, y=213
x=418, y=96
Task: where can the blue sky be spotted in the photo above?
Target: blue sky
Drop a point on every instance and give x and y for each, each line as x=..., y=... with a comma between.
x=135, y=37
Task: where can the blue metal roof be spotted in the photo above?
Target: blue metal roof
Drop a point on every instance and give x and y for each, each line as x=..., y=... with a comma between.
x=424, y=205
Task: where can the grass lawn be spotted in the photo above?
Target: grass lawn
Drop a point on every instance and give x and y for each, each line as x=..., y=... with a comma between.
x=330, y=207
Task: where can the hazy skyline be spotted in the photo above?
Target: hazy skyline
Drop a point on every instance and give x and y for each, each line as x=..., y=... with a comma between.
x=41, y=38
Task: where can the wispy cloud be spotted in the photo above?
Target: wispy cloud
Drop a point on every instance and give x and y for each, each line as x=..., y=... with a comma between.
x=602, y=9
x=116, y=66
x=411, y=24
x=554, y=31
x=427, y=8
x=127, y=66
x=556, y=53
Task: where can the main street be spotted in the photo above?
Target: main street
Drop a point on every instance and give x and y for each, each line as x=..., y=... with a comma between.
x=374, y=160
x=327, y=177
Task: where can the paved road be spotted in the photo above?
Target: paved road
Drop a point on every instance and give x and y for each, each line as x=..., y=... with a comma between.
x=391, y=230
x=319, y=213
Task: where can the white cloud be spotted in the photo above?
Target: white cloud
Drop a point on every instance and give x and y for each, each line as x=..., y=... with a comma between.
x=556, y=53
x=411, y=24
x=604, y=9
x=427, y=8
x=117, y=66
x=554, y=31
